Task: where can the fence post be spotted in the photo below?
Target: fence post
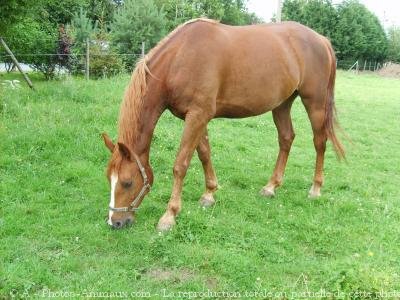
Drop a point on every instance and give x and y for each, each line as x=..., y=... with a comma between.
x=142, y=49
x=354, y=65
x=16, y=63
x=87, y=59
x=279, y=12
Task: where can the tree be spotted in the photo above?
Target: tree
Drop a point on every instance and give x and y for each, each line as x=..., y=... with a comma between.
x=319, y=15
x=233, y=12
x=359, y=33
x=11, y=11
x=31, y=30
x=135, y=22
x=29, y=40
x=355, y=32
x=394, y=44
x=177, y=12
x=61, y=12
x=292, y=10
x=101, y=11
x=81, y=29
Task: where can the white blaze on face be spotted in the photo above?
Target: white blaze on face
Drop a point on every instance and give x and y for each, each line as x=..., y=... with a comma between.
x=114, y=180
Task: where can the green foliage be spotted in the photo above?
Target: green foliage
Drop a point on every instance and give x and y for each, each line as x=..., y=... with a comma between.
x=61, y=12
x=135, y=22
x=177, y=12
x=31, y=29
x=12, y=11
x=359, y=33
x=320, y=15
x=292, y=10
x=101, y=11
x=356, y=33
x=233, y=12
x=394, y=44
x=54, y=198
x=28, y=39
x=209, y=8
x=104, y=61
x=82, y=29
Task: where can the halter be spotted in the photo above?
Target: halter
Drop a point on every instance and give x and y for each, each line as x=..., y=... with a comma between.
x=145, y=186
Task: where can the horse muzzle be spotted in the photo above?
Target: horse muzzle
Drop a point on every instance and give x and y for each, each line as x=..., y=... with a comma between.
x=118, y=223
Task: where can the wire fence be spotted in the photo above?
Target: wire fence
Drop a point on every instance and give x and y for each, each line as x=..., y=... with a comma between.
x=62, y=61
x=77, y=55
x=359, y=65
x=72, y=58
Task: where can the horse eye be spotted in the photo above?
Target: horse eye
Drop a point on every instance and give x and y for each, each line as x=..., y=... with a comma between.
x=126, y=184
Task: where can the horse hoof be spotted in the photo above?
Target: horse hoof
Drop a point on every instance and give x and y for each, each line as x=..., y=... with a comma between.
x=207, y=200
x=166, y=223
x=267, y=192
x=314, y=192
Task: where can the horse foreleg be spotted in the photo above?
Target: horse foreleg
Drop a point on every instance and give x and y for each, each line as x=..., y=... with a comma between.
x=283, y=122
x=195, y=125
x=204, y=152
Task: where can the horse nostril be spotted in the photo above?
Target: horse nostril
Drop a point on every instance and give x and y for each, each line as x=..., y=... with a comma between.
x=117, y=224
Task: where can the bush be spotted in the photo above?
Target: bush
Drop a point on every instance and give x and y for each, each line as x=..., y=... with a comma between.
x=104, y=61
x=29, y=40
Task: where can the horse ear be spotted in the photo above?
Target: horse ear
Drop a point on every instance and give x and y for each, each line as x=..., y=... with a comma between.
x=125, y=151
x=108, y=142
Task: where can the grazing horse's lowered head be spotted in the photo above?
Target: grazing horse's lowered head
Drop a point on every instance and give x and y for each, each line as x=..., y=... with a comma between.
x=129, y=183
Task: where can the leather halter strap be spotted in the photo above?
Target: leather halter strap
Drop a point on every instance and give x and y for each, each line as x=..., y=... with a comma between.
x=146, y=185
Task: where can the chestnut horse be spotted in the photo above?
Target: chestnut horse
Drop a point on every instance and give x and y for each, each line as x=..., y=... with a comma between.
x=204, y=70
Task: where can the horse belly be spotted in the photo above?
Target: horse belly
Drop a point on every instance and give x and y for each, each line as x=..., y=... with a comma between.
x=244, y=107
x=252, y=99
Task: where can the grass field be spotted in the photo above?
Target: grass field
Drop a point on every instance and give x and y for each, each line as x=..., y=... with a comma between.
x=54, y=198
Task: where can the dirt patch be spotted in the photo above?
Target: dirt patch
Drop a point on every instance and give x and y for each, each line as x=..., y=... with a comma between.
x=390, y=70
x=177, y=275
x=181, y=275
x=211, y=283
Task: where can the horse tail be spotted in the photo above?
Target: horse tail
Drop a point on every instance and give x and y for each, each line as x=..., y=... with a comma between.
x=331, y=122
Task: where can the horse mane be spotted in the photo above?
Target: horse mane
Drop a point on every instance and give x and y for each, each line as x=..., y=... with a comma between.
x=136, y=90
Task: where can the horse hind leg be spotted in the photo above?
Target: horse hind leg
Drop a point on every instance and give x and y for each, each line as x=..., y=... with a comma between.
x=283, y=122
x=316, y=112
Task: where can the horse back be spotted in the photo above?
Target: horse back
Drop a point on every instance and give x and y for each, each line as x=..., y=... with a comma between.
x=240, y=71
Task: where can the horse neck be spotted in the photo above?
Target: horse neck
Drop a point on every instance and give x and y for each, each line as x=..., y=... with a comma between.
x=143, y=123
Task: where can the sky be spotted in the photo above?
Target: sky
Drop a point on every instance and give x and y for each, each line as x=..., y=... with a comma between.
x=388, y=11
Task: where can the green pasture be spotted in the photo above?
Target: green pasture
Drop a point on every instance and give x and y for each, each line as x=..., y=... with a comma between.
x=54, y=197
